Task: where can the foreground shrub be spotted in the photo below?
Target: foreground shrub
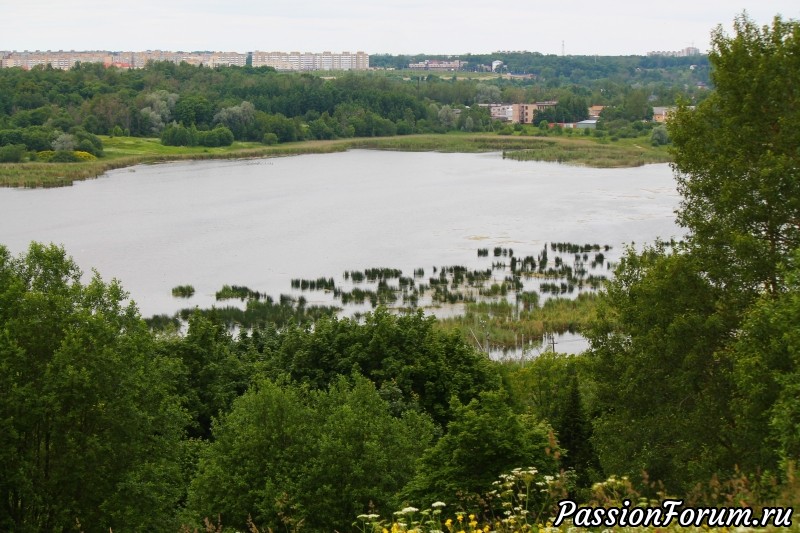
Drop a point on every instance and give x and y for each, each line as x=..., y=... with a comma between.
x=287, y=456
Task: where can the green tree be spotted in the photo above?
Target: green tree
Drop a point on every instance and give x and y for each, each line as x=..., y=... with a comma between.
x=429, y=366
x=737, y=160
x=287, y=456
x=90, y=427
x=239, y=119
x=484, y=439
x=662, y=384
x=157, y=112
x=12, y=153
x=194, y=109
x=659, y=136
x=213, y=374
x=574, y=435
x=767, y=375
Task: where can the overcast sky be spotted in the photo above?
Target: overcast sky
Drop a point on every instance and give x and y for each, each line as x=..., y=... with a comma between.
x=579, y=27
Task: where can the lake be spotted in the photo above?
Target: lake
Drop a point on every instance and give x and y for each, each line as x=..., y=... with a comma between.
x=262, y=222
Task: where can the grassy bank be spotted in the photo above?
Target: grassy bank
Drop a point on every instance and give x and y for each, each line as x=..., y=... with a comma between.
x=572, y=150
x=128, y=151
x=122, y=152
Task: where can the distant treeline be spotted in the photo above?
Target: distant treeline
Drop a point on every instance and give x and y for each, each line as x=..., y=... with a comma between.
x=189, y=105
x=580, y=69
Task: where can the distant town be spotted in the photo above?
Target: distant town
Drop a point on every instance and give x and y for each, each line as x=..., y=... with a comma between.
x=284, y=61
x=277, y=60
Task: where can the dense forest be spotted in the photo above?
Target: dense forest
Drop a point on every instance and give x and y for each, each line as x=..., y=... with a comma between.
x=690, y=387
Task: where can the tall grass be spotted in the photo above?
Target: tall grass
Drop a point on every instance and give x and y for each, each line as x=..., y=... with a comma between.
x=591, y=154
x=507, y=324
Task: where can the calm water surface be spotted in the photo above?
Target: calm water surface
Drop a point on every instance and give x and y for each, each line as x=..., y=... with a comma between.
x=261, y=223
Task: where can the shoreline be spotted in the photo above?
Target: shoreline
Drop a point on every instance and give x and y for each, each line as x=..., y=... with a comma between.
x=124, y=152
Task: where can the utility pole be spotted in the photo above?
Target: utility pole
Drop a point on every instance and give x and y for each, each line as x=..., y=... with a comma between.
x=550, y=339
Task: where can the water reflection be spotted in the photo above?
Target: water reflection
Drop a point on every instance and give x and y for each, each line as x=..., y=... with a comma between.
x=261, y=223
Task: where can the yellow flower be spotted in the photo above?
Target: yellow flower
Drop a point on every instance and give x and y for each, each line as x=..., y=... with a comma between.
x=461, y=518
x=448, y=522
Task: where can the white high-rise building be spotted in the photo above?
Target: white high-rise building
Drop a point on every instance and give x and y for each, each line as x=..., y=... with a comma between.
x=311, y=60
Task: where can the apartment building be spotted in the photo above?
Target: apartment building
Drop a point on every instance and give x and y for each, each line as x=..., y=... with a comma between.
x=311, y=60
x=60, y=59
x=207, y=59
x=685, y=52
x=436, y=64
x=518, y=113
x=131, y=59
x=526, y=113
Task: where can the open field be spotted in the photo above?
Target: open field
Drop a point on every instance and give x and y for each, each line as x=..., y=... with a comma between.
x=123, y=152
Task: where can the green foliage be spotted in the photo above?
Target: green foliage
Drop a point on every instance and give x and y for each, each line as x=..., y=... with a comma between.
x=659, y=136
x=430, y=367
x=283, y=128
x=737, y=159
x=484, y=439
x=287, y=456
x=551, y=387
x=574, y=436
x=194, y=110
x=212, y=373
x=570, y=108
x=634, y=106
x=240, y=120
x=45, y=156
x=693, y=364
x=219, y=136
x=12, y=153
x=87, y=142
x=38, y=137
x=662, y=386
x=178, y=135
x=63, y=156
x=767, y=373
x=90, y=425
